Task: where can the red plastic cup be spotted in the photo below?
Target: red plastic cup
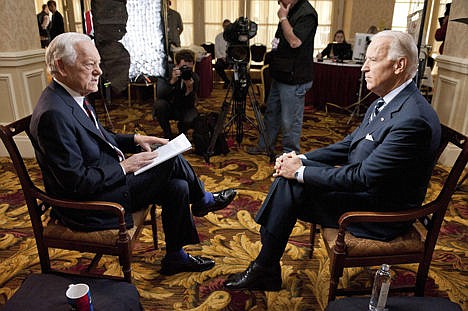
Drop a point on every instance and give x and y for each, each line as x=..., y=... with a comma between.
x=79, y=297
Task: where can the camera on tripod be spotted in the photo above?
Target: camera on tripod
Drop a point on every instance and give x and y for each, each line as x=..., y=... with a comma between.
x=237, y=36
x=186, y=72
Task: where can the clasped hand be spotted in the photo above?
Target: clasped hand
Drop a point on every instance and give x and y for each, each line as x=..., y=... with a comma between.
x=138, y=160
x=287, y=164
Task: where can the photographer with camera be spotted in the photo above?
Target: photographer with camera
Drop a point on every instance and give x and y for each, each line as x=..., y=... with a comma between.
x=291, y=73
x=177, y=95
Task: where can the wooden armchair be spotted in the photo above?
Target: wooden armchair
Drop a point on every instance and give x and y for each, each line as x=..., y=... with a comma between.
x=49, y=233
x=415, y=246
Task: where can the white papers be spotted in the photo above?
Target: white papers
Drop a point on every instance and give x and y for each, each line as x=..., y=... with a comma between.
x=165, y=152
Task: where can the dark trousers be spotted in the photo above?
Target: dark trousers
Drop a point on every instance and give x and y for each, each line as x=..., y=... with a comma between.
x=165, y=110
x=288, y=200
x=174, y=185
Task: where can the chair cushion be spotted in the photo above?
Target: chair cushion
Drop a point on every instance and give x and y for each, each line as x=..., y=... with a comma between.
x=47, y=292
x=410, y=242
x=55, y=230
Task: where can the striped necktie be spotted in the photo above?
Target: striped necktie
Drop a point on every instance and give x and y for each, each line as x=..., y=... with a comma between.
x=89, y=112
x=377, y=107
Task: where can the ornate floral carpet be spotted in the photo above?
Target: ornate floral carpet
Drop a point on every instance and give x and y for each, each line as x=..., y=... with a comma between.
x=230, y=236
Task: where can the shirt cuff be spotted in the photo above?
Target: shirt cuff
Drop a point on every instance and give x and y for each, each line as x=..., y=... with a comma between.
x=123, y=170
x=300, y=174
x=302, y=156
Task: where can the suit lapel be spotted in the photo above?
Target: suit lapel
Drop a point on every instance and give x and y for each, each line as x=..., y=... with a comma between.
x=77, y=112
x=393, y=107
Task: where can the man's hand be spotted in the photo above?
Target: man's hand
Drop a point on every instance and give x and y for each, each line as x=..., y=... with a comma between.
x=137, y=161
x=145, y=142
x=283, y=10
x=287, y=164
x=174, y=75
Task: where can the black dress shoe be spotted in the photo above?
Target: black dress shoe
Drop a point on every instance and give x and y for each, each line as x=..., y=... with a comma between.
x=222, y=199
x=255, y=277
x=194, y=264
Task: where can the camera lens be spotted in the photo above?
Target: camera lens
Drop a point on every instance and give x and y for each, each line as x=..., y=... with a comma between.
x=185, y=72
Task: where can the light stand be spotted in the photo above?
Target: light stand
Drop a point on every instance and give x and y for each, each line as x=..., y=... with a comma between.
x=357, y=105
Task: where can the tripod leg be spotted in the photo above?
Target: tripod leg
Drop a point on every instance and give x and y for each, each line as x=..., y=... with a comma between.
x=261, y=124
x=218, y=129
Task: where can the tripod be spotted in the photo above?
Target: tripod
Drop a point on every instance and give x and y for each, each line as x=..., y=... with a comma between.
x=240, y=89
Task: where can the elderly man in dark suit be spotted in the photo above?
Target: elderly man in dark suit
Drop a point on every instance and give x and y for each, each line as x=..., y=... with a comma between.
x=384, y=165
x=80, y=160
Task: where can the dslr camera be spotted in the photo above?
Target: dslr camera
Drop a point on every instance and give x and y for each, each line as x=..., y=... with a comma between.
x=185, y=72
x=237, y=36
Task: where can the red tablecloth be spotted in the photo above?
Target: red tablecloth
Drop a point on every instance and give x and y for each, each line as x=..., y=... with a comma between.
x=335, y=83
x=204, y=70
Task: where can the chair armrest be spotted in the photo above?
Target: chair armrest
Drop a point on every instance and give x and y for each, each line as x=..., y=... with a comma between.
x=377, y=217
x=396, y=216
x=102, y=206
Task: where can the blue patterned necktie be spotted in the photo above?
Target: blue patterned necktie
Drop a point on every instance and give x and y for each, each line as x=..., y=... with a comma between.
x=377, y=107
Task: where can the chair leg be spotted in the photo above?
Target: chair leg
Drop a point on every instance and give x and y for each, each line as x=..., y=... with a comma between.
x=313, y=230
x=44, y=258
x=125, y=263
x=336, y=272
x=154, y=225
x=94, y=262
x=421, y=277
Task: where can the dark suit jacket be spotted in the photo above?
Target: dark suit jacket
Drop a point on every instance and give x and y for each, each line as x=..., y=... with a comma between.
x=76, y=162
x=57, y=26
x=384, y=165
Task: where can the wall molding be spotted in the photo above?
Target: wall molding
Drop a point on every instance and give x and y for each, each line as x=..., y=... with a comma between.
x=454, y=64
x=21, y=58
x=8, y=78
x=24, y=146
x=444, y=82
x=27, y=77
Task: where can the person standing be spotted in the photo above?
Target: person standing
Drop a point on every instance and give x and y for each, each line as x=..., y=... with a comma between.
x=81, y=160
x=174, y=27
x=57, y=26
x=383, y=165
x=291, y=74
x=220, y=53
x=43, y=22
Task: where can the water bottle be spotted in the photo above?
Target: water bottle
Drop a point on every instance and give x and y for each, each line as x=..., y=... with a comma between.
x=380, y=289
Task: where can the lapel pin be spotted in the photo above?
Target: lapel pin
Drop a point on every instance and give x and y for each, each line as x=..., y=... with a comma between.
x=382, y=119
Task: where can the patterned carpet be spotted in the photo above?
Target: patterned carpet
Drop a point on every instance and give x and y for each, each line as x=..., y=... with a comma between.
x=230, y=236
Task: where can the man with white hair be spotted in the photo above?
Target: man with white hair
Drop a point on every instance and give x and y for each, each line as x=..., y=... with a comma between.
x=81, y=160
x=383, y=165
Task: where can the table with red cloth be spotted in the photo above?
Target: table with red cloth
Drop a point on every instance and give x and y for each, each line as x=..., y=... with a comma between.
x=336, y=83
x=204, y=70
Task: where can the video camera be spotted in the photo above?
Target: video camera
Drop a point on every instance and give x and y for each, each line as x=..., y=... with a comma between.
x=237, y=36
